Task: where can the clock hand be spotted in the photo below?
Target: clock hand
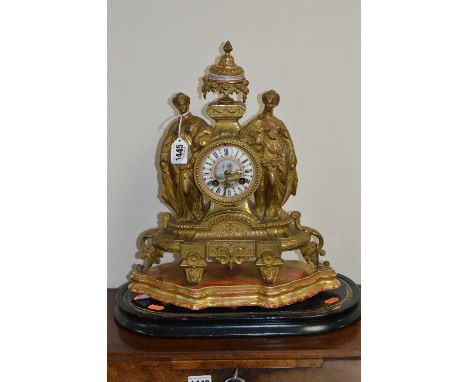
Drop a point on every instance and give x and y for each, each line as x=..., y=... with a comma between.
x=226, y=183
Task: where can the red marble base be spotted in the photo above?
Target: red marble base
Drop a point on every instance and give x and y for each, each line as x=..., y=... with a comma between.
x=240, y=286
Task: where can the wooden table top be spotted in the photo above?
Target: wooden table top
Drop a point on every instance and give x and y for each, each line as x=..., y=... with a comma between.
x=125, y=345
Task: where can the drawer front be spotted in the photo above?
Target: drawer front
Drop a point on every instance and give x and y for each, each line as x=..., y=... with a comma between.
x=249, y=370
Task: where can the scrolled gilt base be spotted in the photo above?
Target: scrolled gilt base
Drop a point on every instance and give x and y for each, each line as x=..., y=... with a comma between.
x=232, y=263
x=242, y=238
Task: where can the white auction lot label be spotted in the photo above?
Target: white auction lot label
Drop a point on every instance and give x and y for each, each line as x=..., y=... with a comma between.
x=199, y=378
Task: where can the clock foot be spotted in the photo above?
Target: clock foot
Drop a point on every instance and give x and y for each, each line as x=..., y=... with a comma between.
x=269, y=261
x=193, y=261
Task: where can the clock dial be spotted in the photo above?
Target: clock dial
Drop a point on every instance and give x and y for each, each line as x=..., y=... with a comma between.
x=227, y=172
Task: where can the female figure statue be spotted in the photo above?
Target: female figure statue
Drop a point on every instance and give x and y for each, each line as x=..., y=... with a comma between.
x=180, y=191
x=270, y=138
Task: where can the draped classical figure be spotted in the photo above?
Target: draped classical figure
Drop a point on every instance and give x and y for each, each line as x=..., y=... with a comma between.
x=180, y=191
x=270, y=138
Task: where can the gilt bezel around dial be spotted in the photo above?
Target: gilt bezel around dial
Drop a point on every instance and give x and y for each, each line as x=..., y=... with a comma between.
x=206, y=165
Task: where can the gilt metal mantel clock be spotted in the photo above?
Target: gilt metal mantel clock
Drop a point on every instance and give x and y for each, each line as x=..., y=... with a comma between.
x=226, y=185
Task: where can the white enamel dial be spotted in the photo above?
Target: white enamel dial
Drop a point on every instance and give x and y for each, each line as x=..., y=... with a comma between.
x=227, y=172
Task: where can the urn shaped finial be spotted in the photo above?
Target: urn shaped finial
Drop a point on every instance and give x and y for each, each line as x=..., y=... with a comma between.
x=226, y=77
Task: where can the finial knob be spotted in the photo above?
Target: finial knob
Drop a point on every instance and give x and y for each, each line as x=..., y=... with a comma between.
x=225, y=77
x=227, y=47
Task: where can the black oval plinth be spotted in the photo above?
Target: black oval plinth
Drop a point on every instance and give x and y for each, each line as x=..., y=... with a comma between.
x=324, y=312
